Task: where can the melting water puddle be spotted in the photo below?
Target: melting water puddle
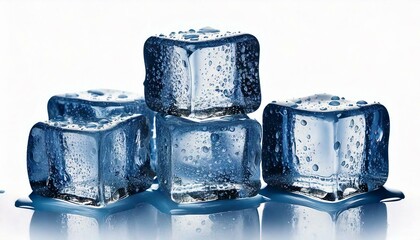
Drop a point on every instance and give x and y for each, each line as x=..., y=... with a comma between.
x=332, y=208
x=152, y=214
x=162, y=203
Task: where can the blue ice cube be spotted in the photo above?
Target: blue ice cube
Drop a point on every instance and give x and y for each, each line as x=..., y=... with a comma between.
x=325, y=146
x=92, y=163
x=94, y=105
x=209, y=159
x=202, y=73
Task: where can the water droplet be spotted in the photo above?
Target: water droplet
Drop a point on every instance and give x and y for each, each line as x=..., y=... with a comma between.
x=183, y=150
x=308, y=159
x=277, y=149
x=336, y=145
x=214, y=137
x=343, y=163
x=208, y=30
x=335, y=98
x=203, y=222
x=218, y=68
x=305, y=148
x=303, y=122
x=71, y=95
x=309, y=136
x=122, y=96
x=210, y=63
x=205, y=149
x=96, y=92
x=298, y=101
x=334, y=103
x=351, y=123
x=357, y=144
x=198, y=230
x=323, y=108
x=361, y=102
x=315, y=167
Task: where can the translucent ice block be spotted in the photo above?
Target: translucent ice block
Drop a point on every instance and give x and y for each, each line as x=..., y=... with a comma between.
x=202, y=73
x=94, y=105
x=325, y=146
x=208, y=160
x=92, y=164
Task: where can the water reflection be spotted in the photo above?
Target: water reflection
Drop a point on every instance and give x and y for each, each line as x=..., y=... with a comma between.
x=240, y=224
x=295, y=216
x=299, y=222
x=151, y=215
x=138, y=223
x=55, y=219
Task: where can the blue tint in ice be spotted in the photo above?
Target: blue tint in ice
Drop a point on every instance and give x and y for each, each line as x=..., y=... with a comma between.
x=92, y=163
x=98, y=105
x=324, y=149
x=202, y=73
x=208, y=160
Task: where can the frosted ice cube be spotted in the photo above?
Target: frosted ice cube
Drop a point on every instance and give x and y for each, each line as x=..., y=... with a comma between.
x=91, y=163
x=325, y=146
x=202, y=73
x=208, y=160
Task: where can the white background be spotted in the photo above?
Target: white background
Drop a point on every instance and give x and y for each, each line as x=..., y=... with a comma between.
x=357, y=49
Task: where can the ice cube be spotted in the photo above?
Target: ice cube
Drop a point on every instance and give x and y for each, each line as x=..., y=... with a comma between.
x=325, y=146
x=202, y=73
x=209, y=159
x=92, y=163
x=94, y=105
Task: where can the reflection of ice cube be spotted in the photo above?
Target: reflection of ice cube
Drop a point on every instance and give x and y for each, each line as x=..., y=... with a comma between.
x=202, y=74
x=241, y=224
x=208, y=160
x=96, y=105
x=325, y=146
x=299, y=222
x=137, y=223
x=93, y=163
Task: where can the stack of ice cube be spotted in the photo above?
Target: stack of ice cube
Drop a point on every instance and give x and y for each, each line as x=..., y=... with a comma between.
x=325, y=146
x=93, y=150
x=202, y=84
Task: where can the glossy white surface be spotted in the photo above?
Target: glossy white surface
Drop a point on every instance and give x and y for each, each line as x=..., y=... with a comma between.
x=356, y=49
